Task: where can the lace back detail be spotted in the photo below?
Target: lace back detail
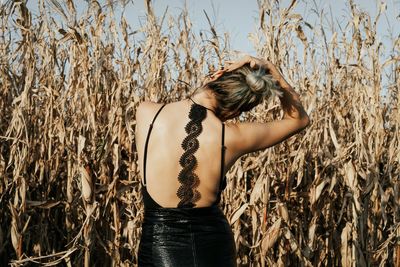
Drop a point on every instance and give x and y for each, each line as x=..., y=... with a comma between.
x=187, y=191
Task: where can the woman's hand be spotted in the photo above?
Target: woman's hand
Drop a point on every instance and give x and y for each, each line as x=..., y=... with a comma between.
x=256, y=63
x=233, y=65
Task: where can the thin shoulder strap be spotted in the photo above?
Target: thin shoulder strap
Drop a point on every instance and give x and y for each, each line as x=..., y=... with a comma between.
x=147, y=143
x=222, y=153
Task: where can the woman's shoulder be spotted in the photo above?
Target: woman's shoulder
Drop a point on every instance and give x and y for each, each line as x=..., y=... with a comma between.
x=146, y=108
x=232, y=127
x=148, y=105
x=144, y=111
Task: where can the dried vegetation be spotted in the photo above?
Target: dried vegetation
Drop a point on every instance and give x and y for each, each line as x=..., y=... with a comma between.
x=69, y=183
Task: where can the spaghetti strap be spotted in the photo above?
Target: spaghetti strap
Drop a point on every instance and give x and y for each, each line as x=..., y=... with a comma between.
x=223, y=148
x=147, y=142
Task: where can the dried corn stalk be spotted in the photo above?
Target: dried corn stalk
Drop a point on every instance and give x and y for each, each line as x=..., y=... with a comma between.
x=69, y=182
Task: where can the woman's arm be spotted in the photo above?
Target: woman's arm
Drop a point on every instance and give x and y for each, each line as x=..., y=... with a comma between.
x=251, y=137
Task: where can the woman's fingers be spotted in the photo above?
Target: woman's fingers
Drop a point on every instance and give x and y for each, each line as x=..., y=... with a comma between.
x=229, y=67
x=217, y=74
x=233, y=65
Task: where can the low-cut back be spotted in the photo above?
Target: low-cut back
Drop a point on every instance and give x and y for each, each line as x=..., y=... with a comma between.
x=187, y=191
x=186, y=235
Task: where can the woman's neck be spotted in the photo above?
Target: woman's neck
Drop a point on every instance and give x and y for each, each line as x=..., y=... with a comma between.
x=205, y=98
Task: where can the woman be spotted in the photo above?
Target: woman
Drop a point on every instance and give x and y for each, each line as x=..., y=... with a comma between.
x=185, y=149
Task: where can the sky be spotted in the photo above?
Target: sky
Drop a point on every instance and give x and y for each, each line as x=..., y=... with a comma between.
x=238, y=17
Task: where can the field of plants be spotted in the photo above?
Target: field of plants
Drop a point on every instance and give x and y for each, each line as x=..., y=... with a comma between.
x=69, y=178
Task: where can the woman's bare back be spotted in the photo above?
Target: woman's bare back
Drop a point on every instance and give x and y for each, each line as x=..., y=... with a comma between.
x=165, y=150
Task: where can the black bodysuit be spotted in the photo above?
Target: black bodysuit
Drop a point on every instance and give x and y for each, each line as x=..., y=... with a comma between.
x=186, y=235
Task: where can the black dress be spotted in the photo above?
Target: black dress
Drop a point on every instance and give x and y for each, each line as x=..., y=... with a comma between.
x=186, y=235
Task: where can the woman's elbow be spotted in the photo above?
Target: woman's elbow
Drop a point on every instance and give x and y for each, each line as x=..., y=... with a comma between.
x=305, y=121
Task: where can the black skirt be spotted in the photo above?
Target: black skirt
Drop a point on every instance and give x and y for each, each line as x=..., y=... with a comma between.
x=186, y=237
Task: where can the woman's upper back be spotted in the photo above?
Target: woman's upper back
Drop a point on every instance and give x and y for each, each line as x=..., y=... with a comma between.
x=168, y=157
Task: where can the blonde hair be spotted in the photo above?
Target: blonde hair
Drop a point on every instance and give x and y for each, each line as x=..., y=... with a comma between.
x=241, y=90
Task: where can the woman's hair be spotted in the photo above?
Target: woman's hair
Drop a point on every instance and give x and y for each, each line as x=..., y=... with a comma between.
x=241, y=90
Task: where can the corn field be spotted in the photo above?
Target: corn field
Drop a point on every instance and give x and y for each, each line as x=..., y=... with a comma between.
x=69, y=178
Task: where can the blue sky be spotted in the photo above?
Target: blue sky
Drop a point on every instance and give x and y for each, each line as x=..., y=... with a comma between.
x=237, y=17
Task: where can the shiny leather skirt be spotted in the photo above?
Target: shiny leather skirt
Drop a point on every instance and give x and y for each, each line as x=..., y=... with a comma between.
x=186, y=237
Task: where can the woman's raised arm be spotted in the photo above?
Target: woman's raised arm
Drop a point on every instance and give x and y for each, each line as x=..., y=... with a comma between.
x=251, y=137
